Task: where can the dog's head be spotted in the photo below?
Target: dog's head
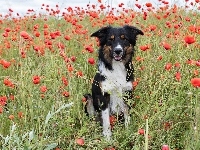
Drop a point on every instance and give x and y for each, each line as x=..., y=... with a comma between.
x=117, y=43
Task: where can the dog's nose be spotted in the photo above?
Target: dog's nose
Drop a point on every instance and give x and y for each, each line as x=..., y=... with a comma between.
x=118, y=51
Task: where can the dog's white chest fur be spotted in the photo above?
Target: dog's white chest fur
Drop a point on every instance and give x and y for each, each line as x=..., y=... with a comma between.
x=115, y=84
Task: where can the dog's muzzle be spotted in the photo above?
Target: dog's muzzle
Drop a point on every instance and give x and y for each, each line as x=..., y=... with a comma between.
x=118, y=53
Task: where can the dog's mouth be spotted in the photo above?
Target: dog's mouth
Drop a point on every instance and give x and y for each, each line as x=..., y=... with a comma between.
x=117, y=57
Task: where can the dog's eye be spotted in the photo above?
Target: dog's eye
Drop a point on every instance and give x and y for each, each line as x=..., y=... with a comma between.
x=112, y=37
x=123, y=37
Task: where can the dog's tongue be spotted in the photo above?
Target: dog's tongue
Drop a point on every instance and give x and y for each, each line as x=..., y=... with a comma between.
x=117, y=58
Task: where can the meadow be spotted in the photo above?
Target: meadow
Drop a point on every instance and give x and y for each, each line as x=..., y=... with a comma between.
x=47, y=64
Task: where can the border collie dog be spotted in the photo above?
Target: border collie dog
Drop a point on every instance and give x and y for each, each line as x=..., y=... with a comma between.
x=112, y=84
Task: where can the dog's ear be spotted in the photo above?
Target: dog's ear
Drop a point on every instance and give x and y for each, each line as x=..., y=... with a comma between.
x=101, y=32
x=133, y=30
x=132, y=33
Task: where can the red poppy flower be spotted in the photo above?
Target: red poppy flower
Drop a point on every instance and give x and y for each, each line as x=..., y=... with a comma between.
x=79, y=73
x=36, y=79
x=138, y=6
x=198, y=63
x=1, y=110
x=141, y=131
x=11, y=117
x=112, y=121
x=166, y=45
x=189, y=39
x=152, y=27
x=144, y=47
x=177, y=65
x=37, y=34
x=168, y=66
x=3, y=100
x=8, y=83
x=178, y=76
x=67, y=37
x=148, y=4
x=65, y=94
x=64, y=80
x=159, y=57
x=43, y=89
x=165, y=147
x=195, y=82
x=20, y=114
x=89, y=48
x=91, y=61
x=196, y=72
x=80, y=141
x=24, y=34
x=73, y=58
x=6, y=64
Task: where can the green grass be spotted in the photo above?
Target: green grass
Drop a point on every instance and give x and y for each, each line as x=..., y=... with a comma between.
x=167, y=108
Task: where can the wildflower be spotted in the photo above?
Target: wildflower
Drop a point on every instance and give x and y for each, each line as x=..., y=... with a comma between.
x=6, y=64
x=189, y=39
x=73, y=58
x=80, y=141
x=135, y=83
x=43, y=89
x=67, y=37
x=138, y=6
x=79, y=73
x=168, y=66
x=178, y=76
x=89, y=49
x=148, y=4
x=159, y=57
x=8, y=83
x=11, y=117
x=141, y=131
x=65, y=94
x=3, y=100
x=37, y=34
x=24, y=34
x=177, y=65
x=1, y=110
x=64, y=80
x=12, y=97
x=196, y=72
x=195, y=82
x=91, y=61
x=144, y=47
x=165, y=147
x=84, y=99
x=70, y=68
x=198, y=63
x=36, y=79
x=152, y=27
x=166, y=45
x=20, y=114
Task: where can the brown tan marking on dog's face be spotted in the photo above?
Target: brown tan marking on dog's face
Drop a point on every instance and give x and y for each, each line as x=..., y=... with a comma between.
x=129, y=51
x=107, y=53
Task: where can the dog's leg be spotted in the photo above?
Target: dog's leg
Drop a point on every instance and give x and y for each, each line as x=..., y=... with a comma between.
x=106, y=123
x=127, y=96
x=89, y=108
x=126, y=116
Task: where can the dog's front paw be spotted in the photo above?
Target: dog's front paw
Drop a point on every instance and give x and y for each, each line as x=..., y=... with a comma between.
x=107, y=134
x=127, y=121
